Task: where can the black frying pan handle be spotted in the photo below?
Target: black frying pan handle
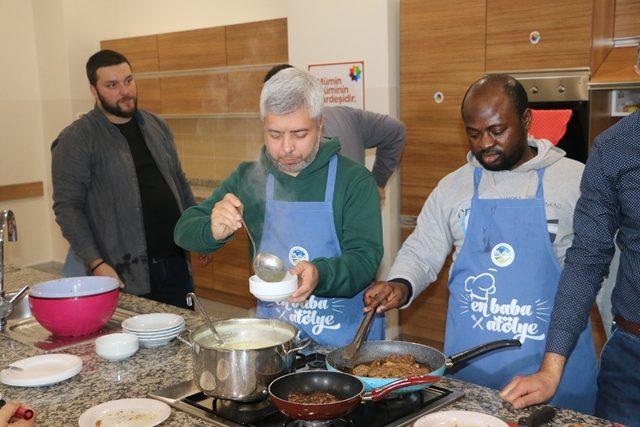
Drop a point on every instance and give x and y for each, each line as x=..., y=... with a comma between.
x=465, y=355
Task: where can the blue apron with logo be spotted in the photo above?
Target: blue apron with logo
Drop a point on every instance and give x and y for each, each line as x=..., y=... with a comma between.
x=305, y=231
x=502, y=286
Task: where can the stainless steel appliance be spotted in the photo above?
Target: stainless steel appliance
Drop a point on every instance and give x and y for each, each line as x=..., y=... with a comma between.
x=400, y=411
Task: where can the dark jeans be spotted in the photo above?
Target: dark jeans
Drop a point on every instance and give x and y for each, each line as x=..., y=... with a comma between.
x=170, y=280
x=619, y=379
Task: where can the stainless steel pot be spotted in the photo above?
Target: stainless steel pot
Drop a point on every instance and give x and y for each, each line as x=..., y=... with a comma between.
x=253, y=353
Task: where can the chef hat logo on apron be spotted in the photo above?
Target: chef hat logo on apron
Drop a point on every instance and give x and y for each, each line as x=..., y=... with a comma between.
x=502, y=254
x=297, y=254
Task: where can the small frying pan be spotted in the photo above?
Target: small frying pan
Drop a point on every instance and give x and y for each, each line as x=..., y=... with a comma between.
x=372, y=350
x=347, y=388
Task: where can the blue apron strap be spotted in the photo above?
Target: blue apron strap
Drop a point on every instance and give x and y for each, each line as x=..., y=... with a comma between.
x=270, y=180
x=477, y=176
x=331, y=179
x=540, y=191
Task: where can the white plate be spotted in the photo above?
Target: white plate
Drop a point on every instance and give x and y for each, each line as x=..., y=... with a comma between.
x=42, y=370
x=174, y=331
x=126, y=412
x=273, y=298
x=153, y=322
x=459, y=419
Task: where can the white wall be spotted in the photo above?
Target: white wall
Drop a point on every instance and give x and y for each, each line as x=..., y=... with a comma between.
x=21, y=150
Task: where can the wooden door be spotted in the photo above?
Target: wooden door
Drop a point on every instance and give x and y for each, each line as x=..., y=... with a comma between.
x=564, y=28
x=442, y=50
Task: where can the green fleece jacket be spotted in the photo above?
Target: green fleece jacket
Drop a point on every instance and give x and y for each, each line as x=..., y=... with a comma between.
x=356, y=210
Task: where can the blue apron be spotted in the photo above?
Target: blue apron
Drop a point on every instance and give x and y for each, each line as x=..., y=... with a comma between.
x=503, y=286
x=305, y=231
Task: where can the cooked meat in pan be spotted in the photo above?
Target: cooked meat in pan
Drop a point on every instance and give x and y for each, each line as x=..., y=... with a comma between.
x=393, y=366
x=314, y=398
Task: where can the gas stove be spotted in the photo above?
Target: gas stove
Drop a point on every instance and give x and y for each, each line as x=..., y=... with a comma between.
x=400, y=410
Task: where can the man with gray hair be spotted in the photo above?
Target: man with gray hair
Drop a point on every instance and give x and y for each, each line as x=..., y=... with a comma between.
x=318, y=211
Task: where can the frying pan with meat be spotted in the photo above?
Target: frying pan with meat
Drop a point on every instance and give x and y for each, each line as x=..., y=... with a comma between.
x=373, y=350
x=348, y=390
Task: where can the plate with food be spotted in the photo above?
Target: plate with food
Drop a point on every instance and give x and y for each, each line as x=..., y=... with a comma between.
x=126, y=412
x=459, y=419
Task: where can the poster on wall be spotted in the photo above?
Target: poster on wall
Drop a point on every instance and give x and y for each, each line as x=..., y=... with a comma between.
x=343, y=82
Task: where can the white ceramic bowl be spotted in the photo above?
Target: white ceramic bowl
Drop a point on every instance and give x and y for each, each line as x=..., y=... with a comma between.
x=273, y=291
x=153, y=322
x=71, y=287
x=117, y=346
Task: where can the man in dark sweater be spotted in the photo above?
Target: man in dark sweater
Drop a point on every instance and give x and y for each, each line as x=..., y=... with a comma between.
x=119, y=189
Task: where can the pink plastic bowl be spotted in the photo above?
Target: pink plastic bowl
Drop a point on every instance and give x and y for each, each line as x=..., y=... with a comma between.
x=74, y=306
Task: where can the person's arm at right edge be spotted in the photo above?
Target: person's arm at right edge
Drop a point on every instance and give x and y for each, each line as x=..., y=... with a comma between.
x=420, y=258
x=587, y=261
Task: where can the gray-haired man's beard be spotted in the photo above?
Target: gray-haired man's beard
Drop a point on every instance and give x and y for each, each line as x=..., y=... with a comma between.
x=298, y=167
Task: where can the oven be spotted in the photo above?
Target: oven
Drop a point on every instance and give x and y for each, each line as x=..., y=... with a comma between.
x=558, y=90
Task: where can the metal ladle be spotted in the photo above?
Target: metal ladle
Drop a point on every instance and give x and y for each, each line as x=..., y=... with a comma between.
x=268, y=267
x=191, y=298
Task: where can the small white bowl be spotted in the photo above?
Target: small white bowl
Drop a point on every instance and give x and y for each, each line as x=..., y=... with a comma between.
x=273, y=291
x=117, y=346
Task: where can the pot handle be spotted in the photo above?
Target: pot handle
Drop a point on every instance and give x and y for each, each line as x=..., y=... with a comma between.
x=382, y=392
x=179, y=337
x=299, y=345
x=465, y=355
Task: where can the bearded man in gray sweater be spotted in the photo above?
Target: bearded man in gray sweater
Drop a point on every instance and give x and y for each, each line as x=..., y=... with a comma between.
x=508, y=213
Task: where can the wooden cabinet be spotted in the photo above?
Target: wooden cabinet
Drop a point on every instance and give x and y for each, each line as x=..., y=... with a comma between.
x=226, y=278
x=194, y=94
x=189, y=50
x=204, y=72
x=547, y=34
x=436, y=143
x=149, y=97
x=627, y=18
x=263, y=42
x=142, y=52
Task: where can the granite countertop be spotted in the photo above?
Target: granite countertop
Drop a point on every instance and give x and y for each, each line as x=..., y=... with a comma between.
x=151, y=369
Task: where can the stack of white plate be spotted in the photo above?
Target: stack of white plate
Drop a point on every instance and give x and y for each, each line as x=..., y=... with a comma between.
x=155, y=329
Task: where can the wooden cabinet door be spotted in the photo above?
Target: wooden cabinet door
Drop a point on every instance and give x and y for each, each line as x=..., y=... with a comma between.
x=442, y=50
x=142, y=52
x=194, y=94
x=565, y=29
x=262, y=42
x=189, y=50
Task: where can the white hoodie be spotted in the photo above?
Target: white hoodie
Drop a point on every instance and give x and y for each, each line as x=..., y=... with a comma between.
x=442, y=221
